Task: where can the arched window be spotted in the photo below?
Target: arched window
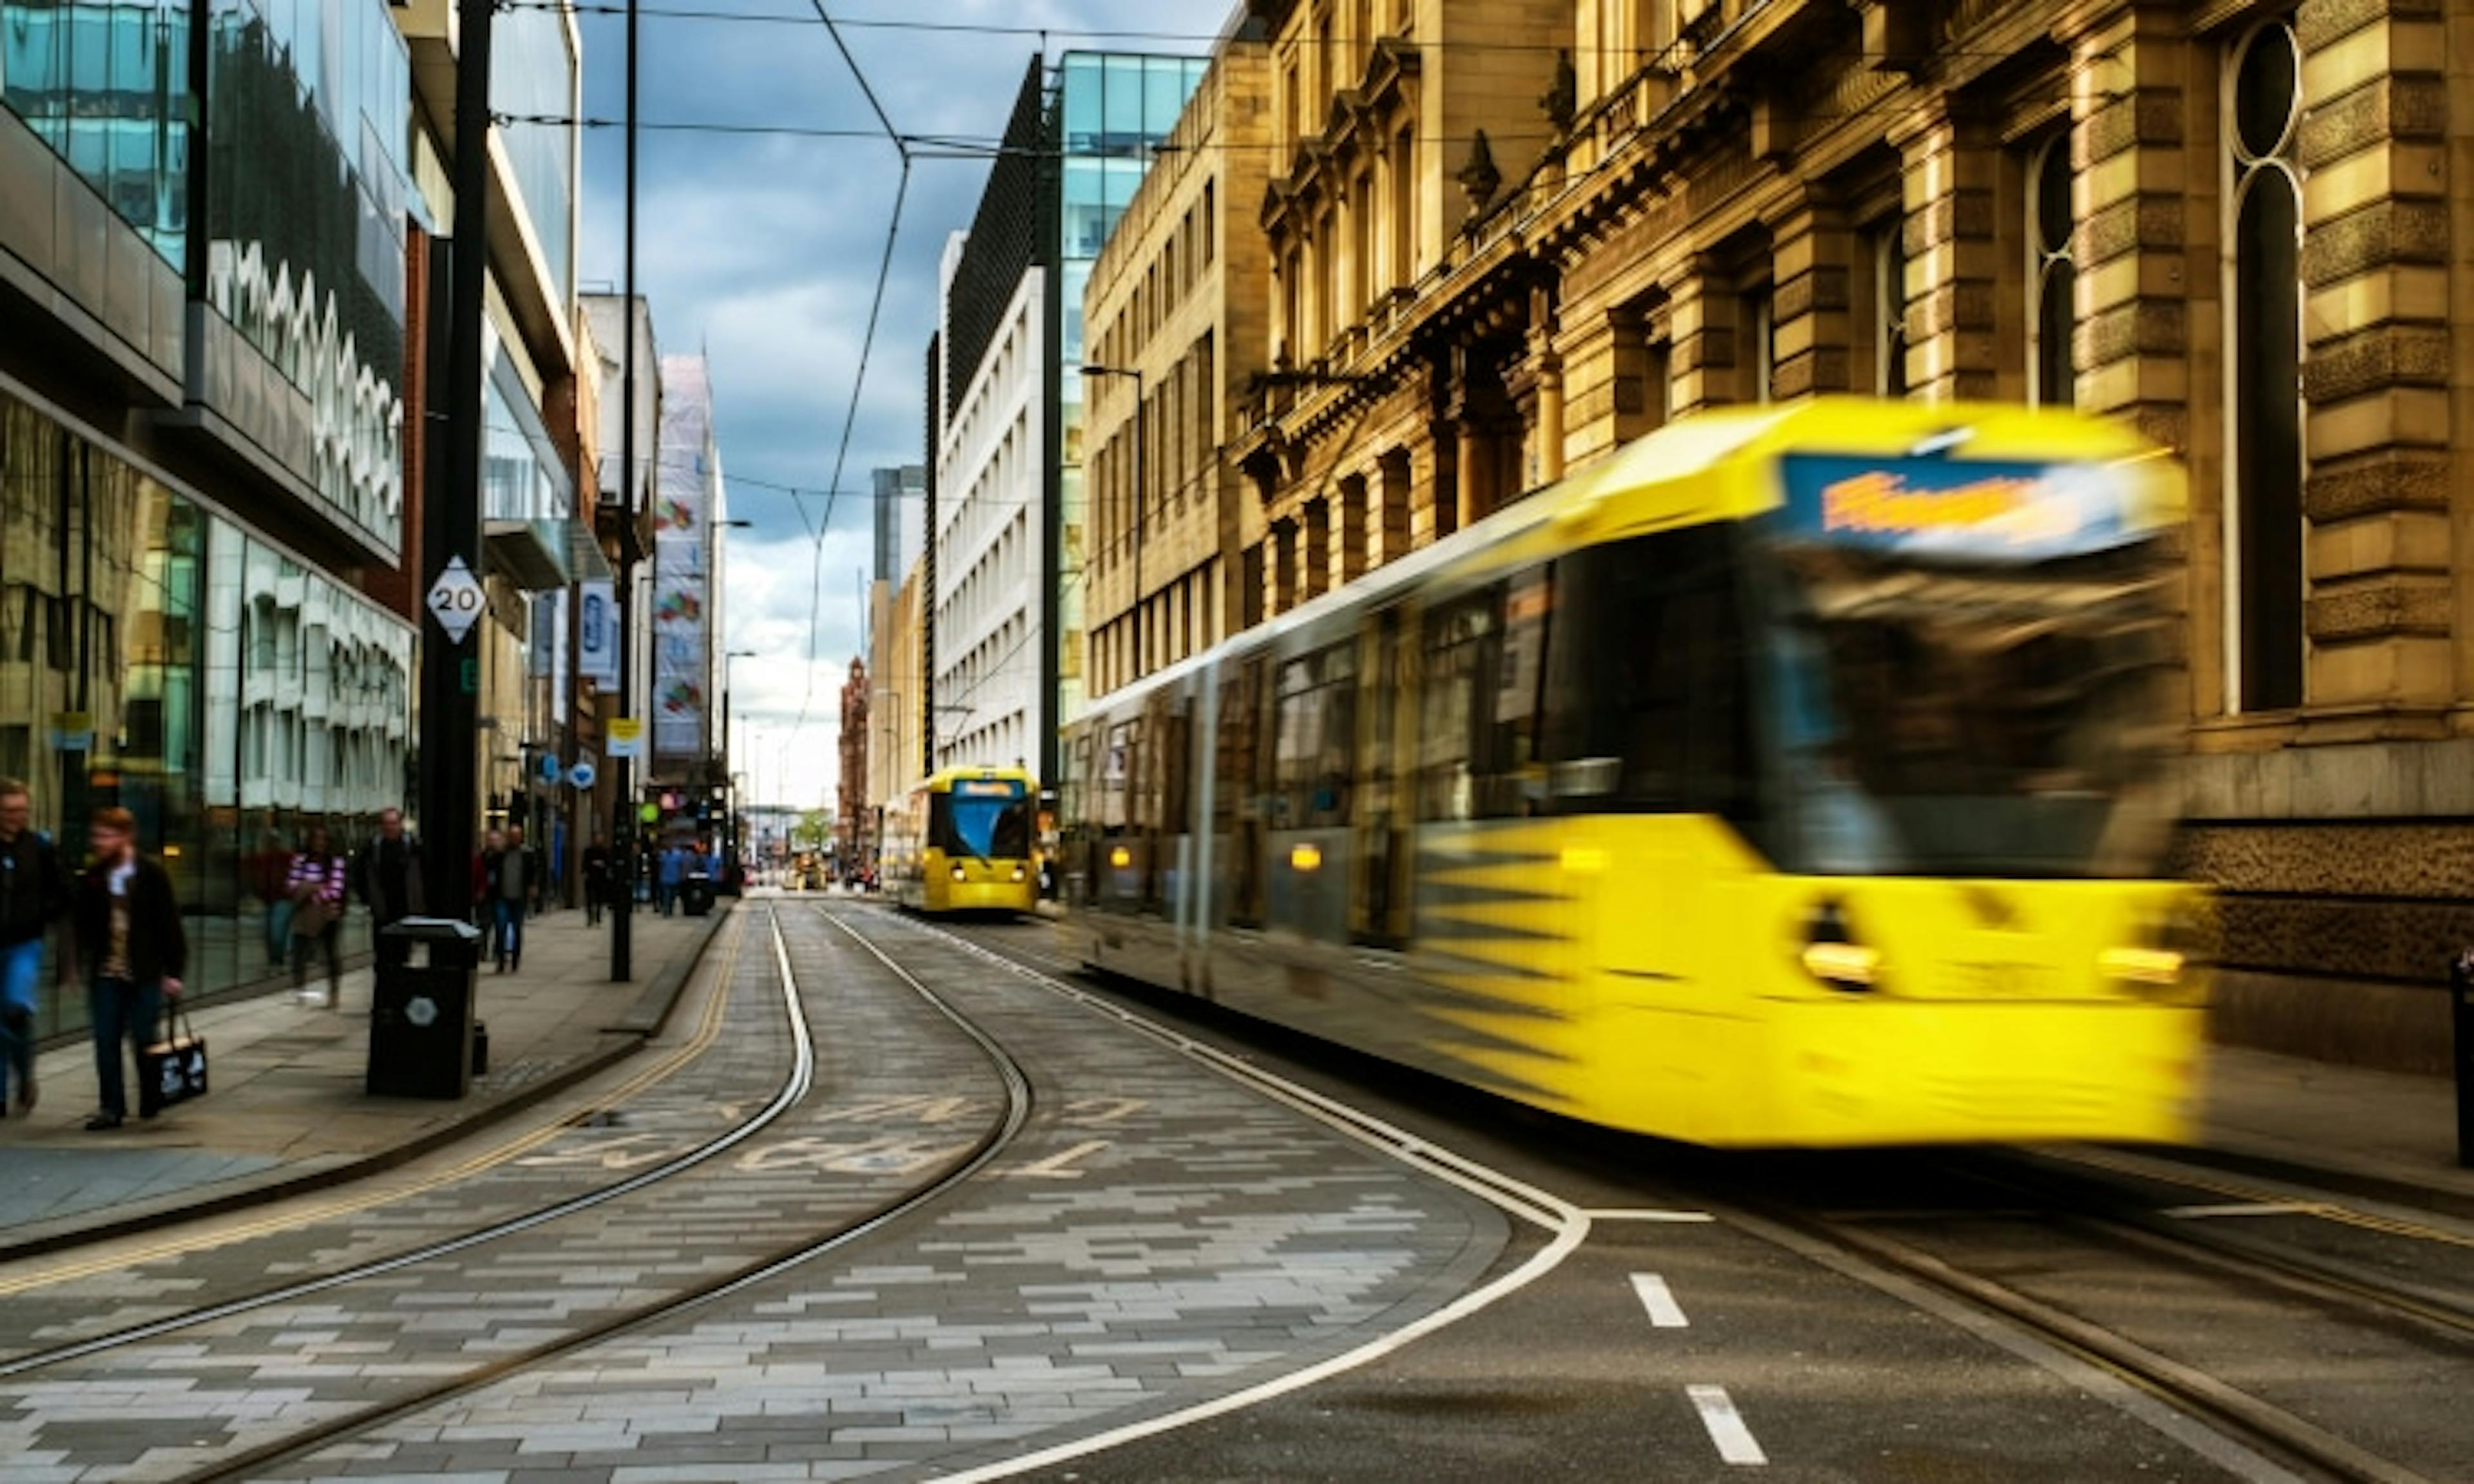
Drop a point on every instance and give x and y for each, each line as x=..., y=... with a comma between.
x=2262, y=107
x=2052, y=273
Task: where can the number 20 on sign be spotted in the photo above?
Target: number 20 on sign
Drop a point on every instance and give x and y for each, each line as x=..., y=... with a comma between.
x=455, y=600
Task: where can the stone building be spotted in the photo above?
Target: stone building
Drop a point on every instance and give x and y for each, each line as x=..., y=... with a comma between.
x=854, y=822
x=1175, y=324
x=2233, y=225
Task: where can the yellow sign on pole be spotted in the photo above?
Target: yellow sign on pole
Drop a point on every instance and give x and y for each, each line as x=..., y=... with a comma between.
x=626, y=735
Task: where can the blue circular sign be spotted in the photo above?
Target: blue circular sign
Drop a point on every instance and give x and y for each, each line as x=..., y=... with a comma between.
x=581, y=776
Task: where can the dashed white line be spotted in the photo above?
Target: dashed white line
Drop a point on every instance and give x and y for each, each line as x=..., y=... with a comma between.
x=1691, y=1216
x=1663, y=1312
x=1735, y=1442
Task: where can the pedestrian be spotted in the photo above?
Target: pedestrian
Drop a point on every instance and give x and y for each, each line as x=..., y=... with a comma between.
x=387, y=876
x=34, y=895
x=674, y=874
x=505, y=886
x=315, y=888
x=128, y=939
x=597, y=880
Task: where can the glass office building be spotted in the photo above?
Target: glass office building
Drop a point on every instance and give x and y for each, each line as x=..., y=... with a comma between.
x=1111, y=108
x=158, y=653
x=236, y=262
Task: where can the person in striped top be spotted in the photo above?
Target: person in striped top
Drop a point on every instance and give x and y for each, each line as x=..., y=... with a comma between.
x=316, y=888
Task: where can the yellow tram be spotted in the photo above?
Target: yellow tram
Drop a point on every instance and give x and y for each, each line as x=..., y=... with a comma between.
x=961, y=840
x=1793, y=776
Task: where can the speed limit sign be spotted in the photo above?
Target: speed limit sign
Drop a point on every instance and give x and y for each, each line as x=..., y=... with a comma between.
x=455, y=600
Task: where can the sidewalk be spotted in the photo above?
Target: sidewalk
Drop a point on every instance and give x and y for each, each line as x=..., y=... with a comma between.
x=288, y=1110
x=2392, y=1135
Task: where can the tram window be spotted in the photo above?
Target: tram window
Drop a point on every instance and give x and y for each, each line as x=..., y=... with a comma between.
x=1316, y=739
x=1646, y=699
x=1116, y=765
x=1457, y=640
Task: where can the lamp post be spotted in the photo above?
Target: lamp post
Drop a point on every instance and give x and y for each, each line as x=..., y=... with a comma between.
x=1140, y=659
x=728, y=704
x=622, y=768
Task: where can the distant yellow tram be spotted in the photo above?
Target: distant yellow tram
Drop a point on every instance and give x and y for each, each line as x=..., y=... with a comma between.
x=1793, y=776
x=962, y=842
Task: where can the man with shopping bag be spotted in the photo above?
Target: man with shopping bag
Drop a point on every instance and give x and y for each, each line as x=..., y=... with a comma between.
x=129, y=942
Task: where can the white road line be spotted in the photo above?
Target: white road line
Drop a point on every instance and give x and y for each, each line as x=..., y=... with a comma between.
x=1567, y=1226
x=1651, y=1216
x=2248, y=1209
x=1735, y=1442
x=1663, y=1312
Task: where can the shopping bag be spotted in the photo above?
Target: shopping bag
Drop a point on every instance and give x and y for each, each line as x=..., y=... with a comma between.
x=172, y=1070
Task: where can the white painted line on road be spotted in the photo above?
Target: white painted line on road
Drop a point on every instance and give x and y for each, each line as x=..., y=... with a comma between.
x=1735, y=1442
x=1663, y=1312
x=1651, y=1216
x=2248, y=1208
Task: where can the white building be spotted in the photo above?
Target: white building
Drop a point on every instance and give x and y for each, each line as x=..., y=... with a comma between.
x=992, y=560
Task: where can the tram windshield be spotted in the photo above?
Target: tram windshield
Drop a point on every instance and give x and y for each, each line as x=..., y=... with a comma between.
x=984, y=819
x=1947, y=717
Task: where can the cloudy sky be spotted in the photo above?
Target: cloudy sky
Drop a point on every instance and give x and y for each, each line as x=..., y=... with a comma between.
x=761, y=250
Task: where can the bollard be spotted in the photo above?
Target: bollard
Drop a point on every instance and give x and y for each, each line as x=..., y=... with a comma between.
x=2461, y=1020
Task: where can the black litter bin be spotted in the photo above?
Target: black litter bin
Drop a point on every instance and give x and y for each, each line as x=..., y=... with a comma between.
x=695, y=895
x=421, y=1012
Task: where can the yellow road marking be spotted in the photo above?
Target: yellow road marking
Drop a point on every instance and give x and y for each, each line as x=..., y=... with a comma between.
x=708, y=1031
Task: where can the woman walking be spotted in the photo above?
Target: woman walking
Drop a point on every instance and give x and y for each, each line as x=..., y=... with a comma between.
x=315, y=888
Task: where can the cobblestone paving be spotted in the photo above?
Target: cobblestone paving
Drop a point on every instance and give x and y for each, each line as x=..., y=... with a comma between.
x=1157, y=1237
x=169, y=1406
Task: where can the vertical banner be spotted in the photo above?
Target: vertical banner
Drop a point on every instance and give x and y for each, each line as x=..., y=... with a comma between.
x=596, y=633
x=682, y=532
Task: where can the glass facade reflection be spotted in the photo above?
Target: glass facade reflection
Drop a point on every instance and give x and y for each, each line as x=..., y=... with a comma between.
x=156, y=655
x=1113, y=109
x=533, y=76
x=107, y=86
x=309, y=121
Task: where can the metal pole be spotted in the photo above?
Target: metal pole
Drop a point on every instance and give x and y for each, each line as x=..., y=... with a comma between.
x=2461, y=1017
x=1140, y=470
x=623, y=836
x=450, y=673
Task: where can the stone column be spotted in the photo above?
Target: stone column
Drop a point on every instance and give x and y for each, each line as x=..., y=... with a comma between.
x=1701, y=317
x=1813, y=256
x=1389, y=532
x=1952, y=160
x=2379, y=498
x=1349, y=550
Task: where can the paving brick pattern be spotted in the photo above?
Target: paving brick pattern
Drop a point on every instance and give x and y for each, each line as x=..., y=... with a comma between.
x=169, y=1406
x=1157, y=1237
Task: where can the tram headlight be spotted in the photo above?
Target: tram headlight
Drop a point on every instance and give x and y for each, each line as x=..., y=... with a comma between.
x=959, y=875
x=2167, y=943
x=1018, y=873
x=1843, y=966
x=1833, y=956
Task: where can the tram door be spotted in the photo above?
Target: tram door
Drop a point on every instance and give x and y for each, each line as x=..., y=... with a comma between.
x=1386, y=722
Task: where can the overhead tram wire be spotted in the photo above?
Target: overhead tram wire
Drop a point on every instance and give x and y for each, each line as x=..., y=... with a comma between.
x=866, y=352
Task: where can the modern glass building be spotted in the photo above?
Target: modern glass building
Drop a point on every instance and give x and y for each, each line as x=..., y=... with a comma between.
x=203, y=326
x=158, y=653
x=1006, y=510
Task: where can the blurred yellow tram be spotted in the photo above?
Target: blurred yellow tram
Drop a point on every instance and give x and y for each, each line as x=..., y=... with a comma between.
x=961, y=840
x=1793, y=776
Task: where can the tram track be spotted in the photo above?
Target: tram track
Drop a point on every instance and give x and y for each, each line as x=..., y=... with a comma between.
x=133, y=1345
x=294, y=1214
x=2255, y=1435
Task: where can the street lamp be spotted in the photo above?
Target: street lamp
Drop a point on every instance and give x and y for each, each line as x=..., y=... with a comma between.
x=1135, y=373
x=730, y=704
